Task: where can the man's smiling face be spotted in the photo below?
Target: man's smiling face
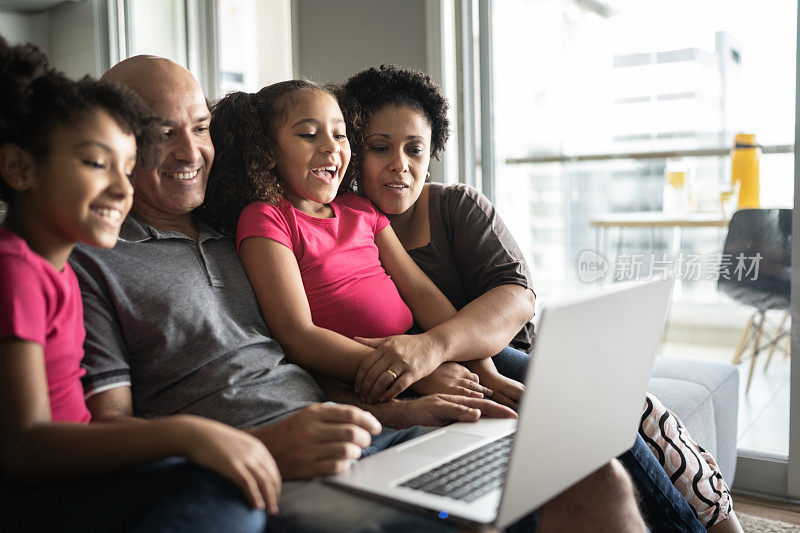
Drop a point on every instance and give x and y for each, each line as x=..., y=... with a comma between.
x=178, y=184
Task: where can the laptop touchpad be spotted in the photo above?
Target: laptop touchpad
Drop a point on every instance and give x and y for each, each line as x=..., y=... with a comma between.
x=441, y=444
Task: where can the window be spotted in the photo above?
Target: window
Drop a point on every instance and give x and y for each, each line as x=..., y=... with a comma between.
x=596, y=103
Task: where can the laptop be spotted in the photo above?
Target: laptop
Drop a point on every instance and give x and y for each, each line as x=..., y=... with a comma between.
x=585, y=389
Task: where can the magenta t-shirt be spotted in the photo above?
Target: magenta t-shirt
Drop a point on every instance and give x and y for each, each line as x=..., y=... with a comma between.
x=42, y=305
x=347, y=288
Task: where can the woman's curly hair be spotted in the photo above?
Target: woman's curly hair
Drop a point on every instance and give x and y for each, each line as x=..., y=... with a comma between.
x=372, y=89
x=37, y=100
x=244, y=129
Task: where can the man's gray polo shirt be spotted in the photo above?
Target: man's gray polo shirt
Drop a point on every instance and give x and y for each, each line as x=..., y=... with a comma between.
x=178, y=321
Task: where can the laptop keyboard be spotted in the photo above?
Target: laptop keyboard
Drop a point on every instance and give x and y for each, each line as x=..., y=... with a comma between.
x=468, y=476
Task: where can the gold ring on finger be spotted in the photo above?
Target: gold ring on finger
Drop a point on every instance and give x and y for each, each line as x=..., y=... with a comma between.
x=392, y=372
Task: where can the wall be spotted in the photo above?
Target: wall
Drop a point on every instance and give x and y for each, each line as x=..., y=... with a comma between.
x=387, y=31
x=69, y=34
x=20, y=28
x=75, y=39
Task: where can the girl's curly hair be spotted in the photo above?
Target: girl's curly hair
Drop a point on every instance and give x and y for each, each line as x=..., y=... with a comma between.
x=244, y=129
x=37, y=100
x=372, y=89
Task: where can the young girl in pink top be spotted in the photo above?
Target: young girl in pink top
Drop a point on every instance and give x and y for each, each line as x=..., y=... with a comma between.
x=67, y=150
x=325, y=268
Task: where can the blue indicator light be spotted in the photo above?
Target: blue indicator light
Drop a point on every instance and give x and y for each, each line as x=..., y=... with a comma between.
x=443, y=515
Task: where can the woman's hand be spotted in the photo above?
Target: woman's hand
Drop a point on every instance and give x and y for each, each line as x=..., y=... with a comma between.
x=234, y=454
x=452, y=378
x=396, y=363
x=439, y=410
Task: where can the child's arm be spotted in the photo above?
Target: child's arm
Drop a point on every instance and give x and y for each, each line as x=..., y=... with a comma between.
x=504, y=390
x=34, y=448
x=275, y=277
x=428, y=305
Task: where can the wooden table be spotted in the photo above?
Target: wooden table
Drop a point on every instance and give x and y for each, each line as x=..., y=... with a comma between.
x=653, y=220
x=659, y=219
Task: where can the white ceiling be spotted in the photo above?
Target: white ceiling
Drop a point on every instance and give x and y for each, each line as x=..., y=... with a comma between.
x=31, y=6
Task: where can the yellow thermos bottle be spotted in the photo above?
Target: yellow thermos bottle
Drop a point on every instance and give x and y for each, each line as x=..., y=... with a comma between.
x=744, y=169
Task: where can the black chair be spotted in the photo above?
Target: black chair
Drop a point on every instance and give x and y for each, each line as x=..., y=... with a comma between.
x=756, y=270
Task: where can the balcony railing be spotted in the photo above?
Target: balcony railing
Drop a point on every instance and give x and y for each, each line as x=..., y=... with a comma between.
x=667, y=154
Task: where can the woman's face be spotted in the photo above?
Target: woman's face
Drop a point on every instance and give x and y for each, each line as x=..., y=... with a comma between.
x=397, y=152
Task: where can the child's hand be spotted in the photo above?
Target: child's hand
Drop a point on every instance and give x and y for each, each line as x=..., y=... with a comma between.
x=236, y=455
x=396, y=363
x=506, y=390
x=451, y=378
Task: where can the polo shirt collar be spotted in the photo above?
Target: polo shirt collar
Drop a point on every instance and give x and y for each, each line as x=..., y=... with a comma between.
x=134, y=230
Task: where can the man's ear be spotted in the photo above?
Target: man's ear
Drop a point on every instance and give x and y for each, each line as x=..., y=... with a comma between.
x=16, y=167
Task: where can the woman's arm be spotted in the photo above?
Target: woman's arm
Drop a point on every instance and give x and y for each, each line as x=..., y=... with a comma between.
x=485, y=326
x=479, y=330
x=34, y=448
x=402, y=360
x=492, y=269
x=275, y=277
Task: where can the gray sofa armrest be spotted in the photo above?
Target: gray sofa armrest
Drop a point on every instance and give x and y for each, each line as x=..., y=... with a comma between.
x=705, y=396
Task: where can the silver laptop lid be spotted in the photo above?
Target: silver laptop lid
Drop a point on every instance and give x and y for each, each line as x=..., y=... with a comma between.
x=606, y=343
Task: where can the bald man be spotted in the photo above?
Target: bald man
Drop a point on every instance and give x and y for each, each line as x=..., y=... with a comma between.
x=173, y=327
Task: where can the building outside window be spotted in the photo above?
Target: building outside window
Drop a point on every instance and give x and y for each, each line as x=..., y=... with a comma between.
x=578, y=82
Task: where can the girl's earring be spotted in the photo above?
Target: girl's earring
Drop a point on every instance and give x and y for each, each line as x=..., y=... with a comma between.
x=428, y=177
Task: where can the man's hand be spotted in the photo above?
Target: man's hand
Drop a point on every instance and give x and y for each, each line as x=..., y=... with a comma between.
x=452, y=378
x=318, y=440
x=396, y=364
x=438, y=410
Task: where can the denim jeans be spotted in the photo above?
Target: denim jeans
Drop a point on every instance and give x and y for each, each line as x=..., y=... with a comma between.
x=663, y=507
x=172, y=495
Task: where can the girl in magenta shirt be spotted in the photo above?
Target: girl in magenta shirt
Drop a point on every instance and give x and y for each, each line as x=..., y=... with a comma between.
x=325, y=269
x=67, y=150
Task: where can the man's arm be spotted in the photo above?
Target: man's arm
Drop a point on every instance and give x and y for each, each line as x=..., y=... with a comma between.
x=113, y=405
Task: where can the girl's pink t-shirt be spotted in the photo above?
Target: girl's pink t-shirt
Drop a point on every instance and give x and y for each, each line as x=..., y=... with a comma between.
x=347, y=288
x=42, y=305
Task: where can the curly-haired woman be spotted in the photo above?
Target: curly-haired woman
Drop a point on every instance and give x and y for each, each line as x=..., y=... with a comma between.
x=397, y=123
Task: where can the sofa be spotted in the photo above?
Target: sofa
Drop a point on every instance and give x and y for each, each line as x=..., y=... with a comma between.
x=705, y=396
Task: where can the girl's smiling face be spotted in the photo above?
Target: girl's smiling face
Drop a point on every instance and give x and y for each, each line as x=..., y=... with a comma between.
x=397, y=152
x=81, y=191
x=313, y=151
